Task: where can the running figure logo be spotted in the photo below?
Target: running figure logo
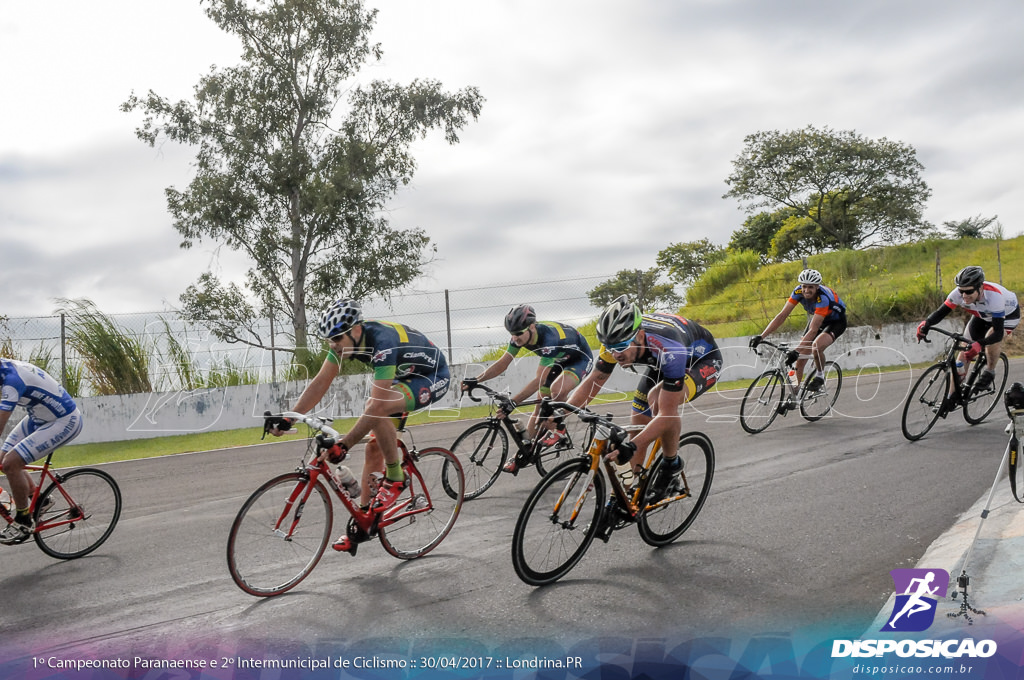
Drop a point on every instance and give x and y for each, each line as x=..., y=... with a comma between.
x=917, y=594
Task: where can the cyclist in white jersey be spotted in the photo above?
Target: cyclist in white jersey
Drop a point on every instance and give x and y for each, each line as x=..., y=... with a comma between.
x=53, y=420
x=994, y=314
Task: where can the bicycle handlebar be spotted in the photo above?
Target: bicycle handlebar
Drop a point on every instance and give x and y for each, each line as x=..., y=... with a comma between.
x=548, y=407
x=959, y=338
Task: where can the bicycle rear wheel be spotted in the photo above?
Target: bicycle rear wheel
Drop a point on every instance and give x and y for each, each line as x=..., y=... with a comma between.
x=426, y=511
x=816, y=404
x=482, y=450
x=76, y=517
x=557, y=523
x=762, y=401
x=665, y=520
x=925, y=401
x=981, y=403
x=269, y=549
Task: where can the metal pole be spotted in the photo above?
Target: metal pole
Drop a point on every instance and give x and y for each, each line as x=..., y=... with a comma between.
x=448, y=323
x=273, y=352
x=63, y=354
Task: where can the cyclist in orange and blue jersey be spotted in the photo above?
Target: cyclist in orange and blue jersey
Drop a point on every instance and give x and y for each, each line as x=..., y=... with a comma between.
x=565, y=358
x=409, y=373
x=826, y=322
x=683, y=361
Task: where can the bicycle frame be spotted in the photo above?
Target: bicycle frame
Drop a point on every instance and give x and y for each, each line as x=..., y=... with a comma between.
x=777, y=362
x=46, y=473
x=959, y=344
x=519, y=438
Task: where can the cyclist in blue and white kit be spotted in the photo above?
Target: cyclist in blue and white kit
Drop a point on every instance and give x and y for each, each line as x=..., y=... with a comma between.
x=565, y=358
x=53, y=419
x=826, y=322
x=683, y=361
x=994, y=314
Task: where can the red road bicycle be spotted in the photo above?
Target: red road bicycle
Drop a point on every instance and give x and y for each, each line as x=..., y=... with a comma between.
x=75, y=513
x=282, y=530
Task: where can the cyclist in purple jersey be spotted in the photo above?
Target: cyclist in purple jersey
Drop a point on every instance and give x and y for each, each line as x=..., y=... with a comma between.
x=409, y=373
x=565, y=358
x=826, y=322
x=683, y=361
x=52, y=420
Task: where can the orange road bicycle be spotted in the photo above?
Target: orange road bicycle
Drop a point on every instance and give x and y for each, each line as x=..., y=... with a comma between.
x=75, y=512
x=941, y=389
x=282, y=530
x=571, y=506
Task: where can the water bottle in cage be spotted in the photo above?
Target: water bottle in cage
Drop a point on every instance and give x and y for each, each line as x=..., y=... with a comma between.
x=347, y=481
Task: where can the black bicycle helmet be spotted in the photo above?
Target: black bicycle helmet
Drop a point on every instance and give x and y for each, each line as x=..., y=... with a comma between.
x=519, y=319
x=1014, y=397
x=970, y=277
x=339, y=318
x=619, y=322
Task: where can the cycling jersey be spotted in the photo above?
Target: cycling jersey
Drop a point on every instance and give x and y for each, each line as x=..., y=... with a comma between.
x=994, y=302
x=826, y=303
x=403, y=355
x=30, y=386
x=558, y=344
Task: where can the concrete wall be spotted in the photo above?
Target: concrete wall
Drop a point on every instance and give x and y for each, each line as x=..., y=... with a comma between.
x=140, y=416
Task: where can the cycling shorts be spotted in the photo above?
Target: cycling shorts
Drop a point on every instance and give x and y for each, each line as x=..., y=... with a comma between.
x=34, y=439
x=420, y=391
x=834, y=327
x=700, y=376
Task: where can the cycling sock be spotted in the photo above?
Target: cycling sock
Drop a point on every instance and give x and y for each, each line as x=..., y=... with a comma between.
x=23, y=516
x=393, y=471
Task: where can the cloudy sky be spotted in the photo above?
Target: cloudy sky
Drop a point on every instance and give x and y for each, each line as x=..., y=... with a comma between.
x=608, y=130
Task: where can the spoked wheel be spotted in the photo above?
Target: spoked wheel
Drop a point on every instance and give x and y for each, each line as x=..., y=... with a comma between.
x=557, y=523
x=482, y=450
x=816, y=404
x=665, y=519
x=924, y=403
x=762, y=402
x=573, y=442
x=981, y=402
x=426, y=511
x=75, y=518
x=279, y=534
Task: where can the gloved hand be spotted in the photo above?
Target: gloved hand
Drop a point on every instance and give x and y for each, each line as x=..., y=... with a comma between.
x=972, y=351
x=337, y=453
x=755, y=341
x=278, y=423
x=507, y=407
x=624, y=452
x=469, y=383
x=922, y=330
x=791, y=357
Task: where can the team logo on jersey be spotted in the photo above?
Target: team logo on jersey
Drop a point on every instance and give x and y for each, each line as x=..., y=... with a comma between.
x=917, y=595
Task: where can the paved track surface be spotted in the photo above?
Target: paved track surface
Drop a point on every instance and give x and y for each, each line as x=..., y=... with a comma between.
x=803, y=524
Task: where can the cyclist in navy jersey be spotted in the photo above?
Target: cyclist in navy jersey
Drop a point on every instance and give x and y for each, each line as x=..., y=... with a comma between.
x=682, y=360
x=409, y=373
x=52, y=420
x=565, y=358
x=994, y=312
x=826, y=322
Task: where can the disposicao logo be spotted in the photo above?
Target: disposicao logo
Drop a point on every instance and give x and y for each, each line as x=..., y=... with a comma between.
x=917, y=595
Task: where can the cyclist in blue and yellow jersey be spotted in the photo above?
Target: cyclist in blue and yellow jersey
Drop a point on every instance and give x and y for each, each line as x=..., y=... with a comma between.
x=565, y=358
x=826, y=322
x=994, y=312
x=52, y=420
x=683, y=361
x=409, y=373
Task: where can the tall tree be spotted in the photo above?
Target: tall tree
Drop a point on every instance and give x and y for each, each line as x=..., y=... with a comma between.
x=685, y=262
x=856, y=190
x=972, y=227
x=640, y=285
x=291, y=175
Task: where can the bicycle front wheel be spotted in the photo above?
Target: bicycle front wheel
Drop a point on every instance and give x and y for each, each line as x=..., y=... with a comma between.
x=574, y=442
x=925, y=401
x=664, y=520
x=980, y=404
x=762, y=401
x=280, y=534
x=76, y=516
x=482, y=450
x=816, y=404
x=557, y=523
x=426, y=511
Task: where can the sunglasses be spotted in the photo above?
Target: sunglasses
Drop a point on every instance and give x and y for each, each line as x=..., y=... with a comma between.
x=522, y=332
x=968, y=291
x=620, y=346
x=338, y=337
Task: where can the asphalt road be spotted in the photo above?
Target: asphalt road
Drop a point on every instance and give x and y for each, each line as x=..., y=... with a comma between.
x=802, y=526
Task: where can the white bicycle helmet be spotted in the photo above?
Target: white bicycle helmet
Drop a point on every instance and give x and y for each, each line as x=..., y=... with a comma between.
x=619, y=322
x=339, y=318
x=809, y=276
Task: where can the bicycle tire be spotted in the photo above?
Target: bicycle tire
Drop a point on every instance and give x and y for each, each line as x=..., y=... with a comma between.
x=545, y=547
x=92, y=499
x=664, y=521
x=762, y=401
x=816, y=405
x=925, y=402
x=426, y=511
x=482, y=450
x=979, y=406
x=269, y=552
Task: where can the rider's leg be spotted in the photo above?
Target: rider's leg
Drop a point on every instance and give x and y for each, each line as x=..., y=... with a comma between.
x=821, y=343
x=21, y=483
